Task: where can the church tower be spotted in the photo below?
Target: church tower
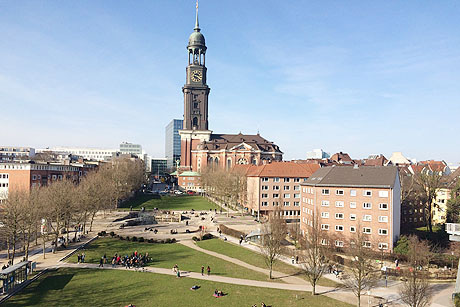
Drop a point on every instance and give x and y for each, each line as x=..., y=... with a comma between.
x=196, y=92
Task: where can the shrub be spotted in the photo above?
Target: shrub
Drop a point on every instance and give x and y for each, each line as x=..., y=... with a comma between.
x=121, y=238
x=231, y=232
x=141, y=239
x=168, y=240
x=151, y=241
x=134, y=239
x=112, y=234
x=127, y=238
x=402, y=246
x=102, y=233
x=173, y=240
x=195, y=239
x=207, y=236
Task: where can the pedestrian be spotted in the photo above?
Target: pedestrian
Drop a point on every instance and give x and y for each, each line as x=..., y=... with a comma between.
x=178, y=273
x=79, y=258
x=202, y=270
x=209, y=270
x=296, y=259
x=396, y=262
x=113, y=262
x=101, y=262
x=292, y=259
x=83, y=257
x=105, y=258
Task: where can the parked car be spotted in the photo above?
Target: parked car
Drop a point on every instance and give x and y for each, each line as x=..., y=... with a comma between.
x=178, y=192
x=190, y=192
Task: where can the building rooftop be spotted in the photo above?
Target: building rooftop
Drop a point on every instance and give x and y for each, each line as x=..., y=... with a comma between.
x=348, y=176
x=229, y=141
x=280, y=169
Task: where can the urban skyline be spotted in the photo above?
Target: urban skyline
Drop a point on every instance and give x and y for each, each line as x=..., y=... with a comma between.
x=322, y=80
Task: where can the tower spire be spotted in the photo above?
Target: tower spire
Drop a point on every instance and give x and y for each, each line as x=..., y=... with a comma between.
x=197, y=24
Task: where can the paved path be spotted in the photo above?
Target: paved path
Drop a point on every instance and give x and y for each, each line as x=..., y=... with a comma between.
x=278, y=275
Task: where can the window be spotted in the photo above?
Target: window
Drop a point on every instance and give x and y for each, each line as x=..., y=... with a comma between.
x=339, y=204
x=325, y=203
x=367, y=218
x=324, y=226
x=276, y=179
x=338, y=243
x=339, y=192
x=352, y=217
x=383, y=206
x=265, y=179
x=383, y=232
x=287, y=195
x=367, y=244
x=325, y=192
x=324, y=242
x=286, y=179
x=339, y=216
x=297, y=188
x=276, y=187
x=296, y=204
x=383, y=245
x=265, y=187
x=367, y=206
x=338, y=227
x=352, y=192
x=264, y=195
x=276, y=195
x=383, y=219
x=383, y=193
x=352, y=229
x=352, y=205
x=286, y=188
x=367, y=193
x=296, y=195
x=39, y=177
x=325, y=215
x=264, y=204
x=296, y=179
x=367, y=230
x=275, y=203
x=286, y=203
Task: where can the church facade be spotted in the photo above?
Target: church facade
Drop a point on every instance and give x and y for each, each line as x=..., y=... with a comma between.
x=200, y=147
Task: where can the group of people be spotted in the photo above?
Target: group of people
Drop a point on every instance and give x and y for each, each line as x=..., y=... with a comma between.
x=208, y=269
x=81, y=258
x=218, y=293
x=261, y=305
x=135, y=260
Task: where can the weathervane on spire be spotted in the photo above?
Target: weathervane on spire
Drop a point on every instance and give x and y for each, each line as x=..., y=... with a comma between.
x=197, y=25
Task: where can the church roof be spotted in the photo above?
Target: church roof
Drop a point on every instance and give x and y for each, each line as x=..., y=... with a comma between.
x=282, y=169
x=229, y=141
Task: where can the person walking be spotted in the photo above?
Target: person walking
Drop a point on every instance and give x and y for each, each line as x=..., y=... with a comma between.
x=101, y=262
x=202, y=270
x=209, y=270
x=83, y=257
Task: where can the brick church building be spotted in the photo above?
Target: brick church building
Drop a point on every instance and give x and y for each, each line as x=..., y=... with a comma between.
x=200, y=147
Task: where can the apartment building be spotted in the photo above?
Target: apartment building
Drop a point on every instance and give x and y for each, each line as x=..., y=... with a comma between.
x=16, y=176
x=11, y=153
x=276, y=185
x=347, y=199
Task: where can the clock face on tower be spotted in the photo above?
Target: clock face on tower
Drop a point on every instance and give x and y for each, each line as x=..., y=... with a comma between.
x=196, y=75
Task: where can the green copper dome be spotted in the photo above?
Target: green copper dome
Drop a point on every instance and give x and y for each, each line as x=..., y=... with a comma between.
x=196, y=39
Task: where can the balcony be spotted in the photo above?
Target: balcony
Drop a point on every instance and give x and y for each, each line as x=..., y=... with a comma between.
x=453, y=230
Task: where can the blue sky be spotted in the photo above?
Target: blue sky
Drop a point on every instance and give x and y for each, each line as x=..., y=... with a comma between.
x=356, y=76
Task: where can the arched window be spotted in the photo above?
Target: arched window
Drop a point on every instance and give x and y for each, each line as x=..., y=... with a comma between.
x=195, y=122
x=242, y=161
x=229, y=163
x=216, y=162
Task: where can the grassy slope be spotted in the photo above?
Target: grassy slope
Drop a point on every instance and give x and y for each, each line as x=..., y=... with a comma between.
x=83, y=287
x=254, y=258
x=166, y=256
x=184, y=202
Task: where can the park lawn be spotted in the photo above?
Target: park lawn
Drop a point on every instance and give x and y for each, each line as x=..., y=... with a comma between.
x=256, y=259
x=166, y=256
x=93, y=287
x=173, y=203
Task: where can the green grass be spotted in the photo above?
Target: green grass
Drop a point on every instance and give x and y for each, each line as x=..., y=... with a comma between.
x=256, y=259
x=166, y=256
x=86, y=287
x=179, y=203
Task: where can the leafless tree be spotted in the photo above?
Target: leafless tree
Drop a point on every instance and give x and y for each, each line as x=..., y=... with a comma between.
x=360, y=275
x=415, y=290
x=315, y=252
x=430, y=182
x=12, y=218
x=272, y=236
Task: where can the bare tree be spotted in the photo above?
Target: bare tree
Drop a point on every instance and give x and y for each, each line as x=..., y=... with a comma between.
x=315, y=253
x=272, y=236
x=360, y=275
x=430, y=182
x=12, y=218
x=415, y=290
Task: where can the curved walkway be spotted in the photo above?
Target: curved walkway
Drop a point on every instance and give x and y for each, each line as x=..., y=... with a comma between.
x=277, y=275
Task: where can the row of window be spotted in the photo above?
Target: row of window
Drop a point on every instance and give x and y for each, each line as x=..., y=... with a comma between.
x=54, y=177
x=368, y=244
x=341, y=204
x=366, y=217
x=353, y=192
x=4, y=176
x=277, y=188
x=275, y=195
x=366, y=230
x=277, y=179
x=285, y=203
x=4, y=185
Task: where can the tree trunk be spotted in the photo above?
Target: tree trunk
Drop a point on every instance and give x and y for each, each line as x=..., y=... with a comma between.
x=27, y=246
x=44, y=249
x=91, y=225
x=359, y=299
x=14, y=249
x=8, y=247
x=313, y=292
